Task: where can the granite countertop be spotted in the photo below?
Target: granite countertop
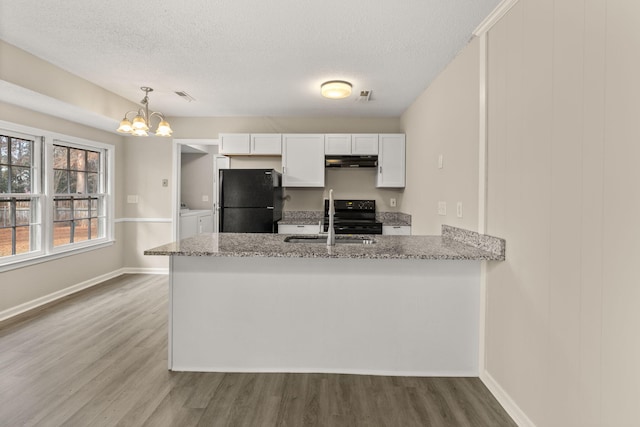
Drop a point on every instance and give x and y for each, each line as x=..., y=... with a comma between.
x=455, y=244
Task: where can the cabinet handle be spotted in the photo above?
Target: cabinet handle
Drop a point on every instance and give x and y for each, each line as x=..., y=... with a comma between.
x=380, y=169
x=300, y=226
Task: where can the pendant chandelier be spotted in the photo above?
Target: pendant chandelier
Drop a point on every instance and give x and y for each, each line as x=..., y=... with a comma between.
x=139, y=126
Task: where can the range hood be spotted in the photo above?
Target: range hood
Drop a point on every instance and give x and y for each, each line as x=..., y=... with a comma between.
x=351, y=161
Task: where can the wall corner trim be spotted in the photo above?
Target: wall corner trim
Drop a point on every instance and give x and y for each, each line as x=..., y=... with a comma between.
x=519, y=417
x=497, y=13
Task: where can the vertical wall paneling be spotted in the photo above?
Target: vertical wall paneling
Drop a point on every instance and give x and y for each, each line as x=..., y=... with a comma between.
x=482, y=185
x=591, y=251
x=621, y=210
x=563, y=147
x=565, y=201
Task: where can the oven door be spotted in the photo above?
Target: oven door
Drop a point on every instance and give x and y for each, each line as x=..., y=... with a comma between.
x=355, y=228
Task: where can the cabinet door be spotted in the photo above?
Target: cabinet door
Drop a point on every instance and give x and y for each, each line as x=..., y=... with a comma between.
x=234, y=143
x=303, y=160
x=396, y=230
x=364, y=144
x=188, y=226
x=298, y=229
x=337, y=144
x=266, y=143
x=205, y=223
x=391, y=161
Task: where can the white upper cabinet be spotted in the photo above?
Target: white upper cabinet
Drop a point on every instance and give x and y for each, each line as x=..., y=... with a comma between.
x=364, y=144
x=337, y=143
x=303, y=160
x=391, y=161
x=235, y=143
x=266, y=143
x=357, y=144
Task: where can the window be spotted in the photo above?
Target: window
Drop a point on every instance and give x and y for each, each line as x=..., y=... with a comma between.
x=78, y=203
x=19, y=206
x=55, y=195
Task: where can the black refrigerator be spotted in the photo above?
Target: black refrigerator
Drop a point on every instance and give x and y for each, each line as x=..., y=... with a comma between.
x=250, y=200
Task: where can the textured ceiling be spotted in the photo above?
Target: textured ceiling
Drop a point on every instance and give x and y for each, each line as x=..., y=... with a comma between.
x=249, y=57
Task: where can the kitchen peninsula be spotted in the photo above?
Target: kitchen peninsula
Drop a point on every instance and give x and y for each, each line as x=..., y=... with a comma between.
x=404, y=305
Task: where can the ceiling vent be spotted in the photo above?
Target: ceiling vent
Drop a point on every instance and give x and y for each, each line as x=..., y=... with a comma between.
x=365, y=96
x=185, y=96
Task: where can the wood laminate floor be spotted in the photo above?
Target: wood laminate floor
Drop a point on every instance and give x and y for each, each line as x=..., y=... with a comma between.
x=99, y=358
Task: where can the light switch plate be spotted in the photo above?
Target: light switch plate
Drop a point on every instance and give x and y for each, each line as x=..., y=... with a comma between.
x=442, y=208
x=392, y=202
x=165, y=182
x=132, y=199
x=205, y=198
x=440, y=161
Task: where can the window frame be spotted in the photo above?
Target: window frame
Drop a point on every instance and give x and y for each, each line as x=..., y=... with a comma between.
x=35, y=196
x=104, y=192
x=44, y=182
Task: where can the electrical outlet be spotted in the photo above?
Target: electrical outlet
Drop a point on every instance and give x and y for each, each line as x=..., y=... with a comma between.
x=205, y=198
x=392, y=202
x=442, y=208
x=440, y=161
x=132, y=199
x=459, y=209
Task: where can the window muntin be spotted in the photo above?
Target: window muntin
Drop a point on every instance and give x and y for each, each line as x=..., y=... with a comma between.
x=19, y=206
x=79, y=212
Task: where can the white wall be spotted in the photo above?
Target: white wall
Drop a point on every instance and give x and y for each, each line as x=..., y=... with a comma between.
x=564, y=143
x=196, y=180
x=147, y=162
x=444, y=120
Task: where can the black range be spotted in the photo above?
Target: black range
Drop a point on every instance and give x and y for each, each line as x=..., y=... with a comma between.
x=353, y=217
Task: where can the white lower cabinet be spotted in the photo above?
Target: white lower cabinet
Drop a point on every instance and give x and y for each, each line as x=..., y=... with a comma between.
x=205, y=223
x=298, y=229
x=396, y=230
x=188, y=226
x=195, y=222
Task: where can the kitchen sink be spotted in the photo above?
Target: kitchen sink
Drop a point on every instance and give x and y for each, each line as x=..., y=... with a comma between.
x=323, y=239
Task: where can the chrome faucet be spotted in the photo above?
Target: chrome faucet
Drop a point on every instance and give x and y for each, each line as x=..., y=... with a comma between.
x=331, y=237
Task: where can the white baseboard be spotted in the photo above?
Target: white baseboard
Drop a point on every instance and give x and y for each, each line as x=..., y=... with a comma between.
x=506, y=401
x=132, y=270
x=30, y=305
x=340, y=371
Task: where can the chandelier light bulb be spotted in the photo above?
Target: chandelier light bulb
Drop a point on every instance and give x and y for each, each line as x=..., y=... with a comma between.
x=125, y=126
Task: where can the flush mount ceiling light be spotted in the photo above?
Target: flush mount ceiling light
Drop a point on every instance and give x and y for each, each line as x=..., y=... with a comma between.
x=335, y=89
x=142, y=119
